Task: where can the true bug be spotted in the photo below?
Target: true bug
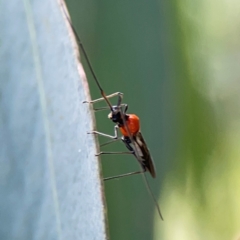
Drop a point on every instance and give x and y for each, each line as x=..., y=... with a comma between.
x=128, y=124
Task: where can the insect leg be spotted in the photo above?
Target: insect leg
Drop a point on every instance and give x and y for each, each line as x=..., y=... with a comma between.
x=112, y=141
x=107, y=135
x=109, y=96
x=125, y=175
x=114, y=138
x=101, y=153
x=125, y=108
x=101, y=108
x=130, y=152
x=120, y=97
x=107, y=108
x=127, y=141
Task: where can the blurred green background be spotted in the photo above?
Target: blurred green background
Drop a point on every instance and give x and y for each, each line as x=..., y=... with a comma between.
x=177, y=63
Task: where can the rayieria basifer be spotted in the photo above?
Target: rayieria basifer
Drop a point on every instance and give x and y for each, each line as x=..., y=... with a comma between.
x=128, y=124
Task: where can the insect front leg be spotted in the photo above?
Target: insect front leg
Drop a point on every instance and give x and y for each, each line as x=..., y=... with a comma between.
x=109, y=96
x=107, y=135
x=114, y=138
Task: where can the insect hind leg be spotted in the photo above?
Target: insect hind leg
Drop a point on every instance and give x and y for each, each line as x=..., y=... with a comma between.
x=109, y=96
x=125, y=175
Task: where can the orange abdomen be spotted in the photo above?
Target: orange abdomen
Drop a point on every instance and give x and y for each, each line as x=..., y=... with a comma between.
x=133, y=124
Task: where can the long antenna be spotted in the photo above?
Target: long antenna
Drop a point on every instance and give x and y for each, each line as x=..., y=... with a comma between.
x=87, y=59
x=153, y=197
x=109, y=104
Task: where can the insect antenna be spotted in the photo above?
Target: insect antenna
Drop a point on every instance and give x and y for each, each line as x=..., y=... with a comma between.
x=109, y=104
x=151, y=193
x=80, y=44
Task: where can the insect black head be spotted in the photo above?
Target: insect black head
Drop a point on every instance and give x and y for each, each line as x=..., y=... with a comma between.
x=115, y=114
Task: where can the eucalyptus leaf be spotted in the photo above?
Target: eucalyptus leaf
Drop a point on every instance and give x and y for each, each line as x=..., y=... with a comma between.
x=50, y=185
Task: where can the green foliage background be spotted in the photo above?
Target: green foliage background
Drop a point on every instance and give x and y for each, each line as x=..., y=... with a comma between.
x=177, y=63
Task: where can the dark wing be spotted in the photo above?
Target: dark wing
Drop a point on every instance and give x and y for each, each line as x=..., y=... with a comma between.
x=144, y=154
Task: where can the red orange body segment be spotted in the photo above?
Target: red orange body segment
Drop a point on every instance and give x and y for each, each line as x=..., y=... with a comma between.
x=133, y=124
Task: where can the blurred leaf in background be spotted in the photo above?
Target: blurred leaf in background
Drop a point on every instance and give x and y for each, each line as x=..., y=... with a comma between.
x=202, y=195
x=177, y=65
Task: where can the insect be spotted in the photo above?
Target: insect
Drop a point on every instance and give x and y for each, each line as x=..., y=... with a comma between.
x=128, y=124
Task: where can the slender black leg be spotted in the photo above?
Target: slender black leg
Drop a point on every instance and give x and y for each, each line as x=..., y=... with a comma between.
x=120, y=97
x=112, y=141
x=125, y=175
x=125, y=108
x=102, y=153
x=101, y=108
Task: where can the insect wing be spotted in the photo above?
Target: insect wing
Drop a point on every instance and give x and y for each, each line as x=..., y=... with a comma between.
x=143, y=152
